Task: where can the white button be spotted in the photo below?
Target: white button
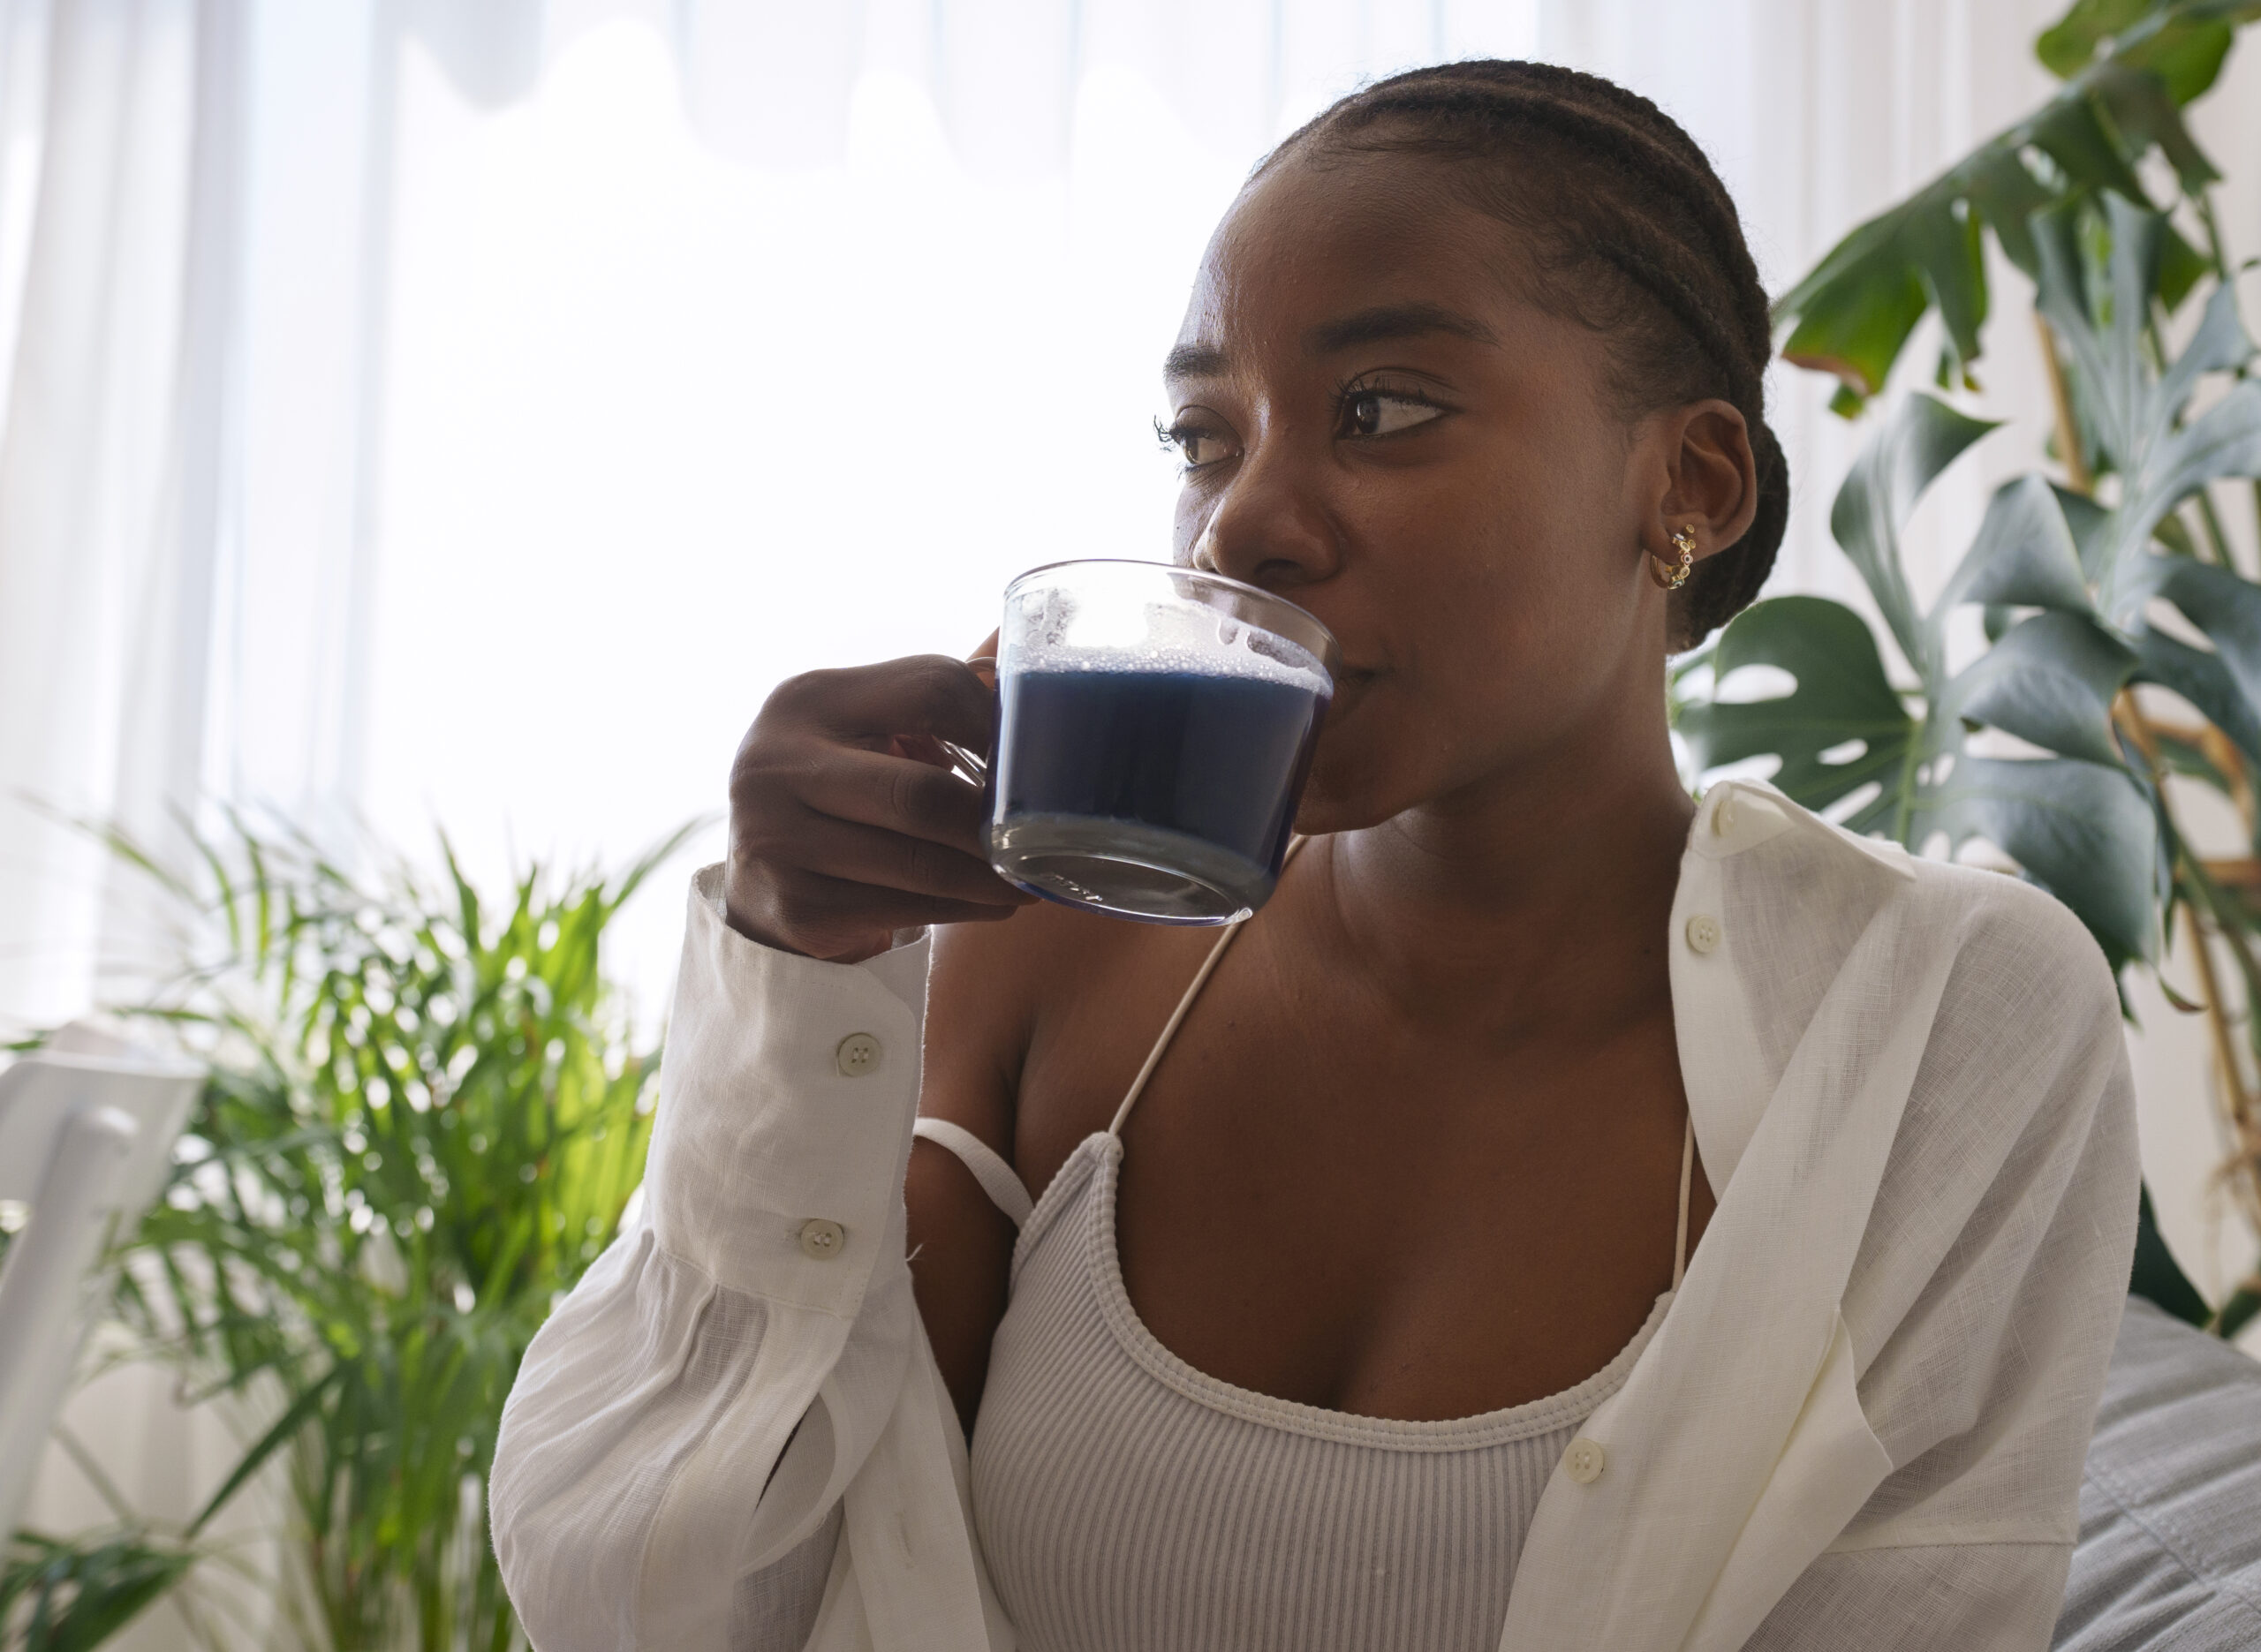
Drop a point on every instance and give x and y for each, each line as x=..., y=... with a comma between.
x=1723, y=816
x=821, y=1239
x=1702, y=932
x=858, y=1054
x=1585, y=1461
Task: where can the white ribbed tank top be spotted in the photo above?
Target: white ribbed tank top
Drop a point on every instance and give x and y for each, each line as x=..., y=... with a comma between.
x=1127, y=1502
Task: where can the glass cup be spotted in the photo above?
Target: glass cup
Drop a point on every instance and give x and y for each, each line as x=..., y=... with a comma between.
x=1155, y=726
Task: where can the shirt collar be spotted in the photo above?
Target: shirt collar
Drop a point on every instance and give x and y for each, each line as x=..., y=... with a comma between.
x=1737, y=816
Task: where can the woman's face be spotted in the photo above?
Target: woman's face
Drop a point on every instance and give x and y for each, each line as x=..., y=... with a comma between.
x=1377, y=425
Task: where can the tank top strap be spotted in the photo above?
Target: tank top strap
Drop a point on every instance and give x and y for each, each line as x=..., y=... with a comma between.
x=1177, y=1016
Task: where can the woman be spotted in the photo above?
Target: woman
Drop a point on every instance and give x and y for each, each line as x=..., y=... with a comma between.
x=1568, y=1216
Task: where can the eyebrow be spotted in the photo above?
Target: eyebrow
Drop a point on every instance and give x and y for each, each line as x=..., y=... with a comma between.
x=1193, y=361
x=1378, y=325
x=1395, y=320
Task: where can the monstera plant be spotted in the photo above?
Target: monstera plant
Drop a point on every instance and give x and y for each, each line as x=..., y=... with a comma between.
x=2114, y=643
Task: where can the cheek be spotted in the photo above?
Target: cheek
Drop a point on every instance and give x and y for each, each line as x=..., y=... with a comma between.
x=1505, y=608
x=1516, y=582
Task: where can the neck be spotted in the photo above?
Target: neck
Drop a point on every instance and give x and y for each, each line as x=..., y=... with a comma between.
x=1531, y=891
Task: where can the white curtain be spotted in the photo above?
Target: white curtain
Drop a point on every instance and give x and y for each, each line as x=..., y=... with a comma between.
x=463, y=410
x=117, y=204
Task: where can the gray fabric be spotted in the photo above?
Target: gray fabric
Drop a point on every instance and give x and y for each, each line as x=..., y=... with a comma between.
x=2169, y=1557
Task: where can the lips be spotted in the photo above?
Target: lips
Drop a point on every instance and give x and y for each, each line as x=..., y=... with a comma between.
x=1351, y=683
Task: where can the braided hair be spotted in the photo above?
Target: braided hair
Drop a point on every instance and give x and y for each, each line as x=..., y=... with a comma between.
x=1631, y=234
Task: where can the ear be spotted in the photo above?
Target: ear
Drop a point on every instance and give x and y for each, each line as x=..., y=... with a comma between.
x=1704, y=477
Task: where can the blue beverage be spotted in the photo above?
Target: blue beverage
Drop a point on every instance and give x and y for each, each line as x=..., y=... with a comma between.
x=1157, y=793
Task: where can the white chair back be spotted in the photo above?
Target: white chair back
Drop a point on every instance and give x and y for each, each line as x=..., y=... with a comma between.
x=86, y=1125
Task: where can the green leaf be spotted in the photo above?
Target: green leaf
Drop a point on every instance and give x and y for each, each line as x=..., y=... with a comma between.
x=1945, y=245
x=2006, y=194
x=2241, y=1309
x=2219, y=345
x=2224, y=441
x=2226, y=607
x=1922, y=438
x=2182, y=266
x=2187, y=57
x=2092, y=528
x=2070, y=131
x=2050, y=681
x=1841, y=695
x=2080, y=830
x=2023, y=556
x=2108, y=362
x=2182, y=45
x=1853, y=321
x=2140, y=105
x=73, y=1596
x=2157, y=1277
x=2202, y=679
x=2066, y=47
x=295, y=1416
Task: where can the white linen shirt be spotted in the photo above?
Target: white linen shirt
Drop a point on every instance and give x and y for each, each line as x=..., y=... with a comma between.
x=1860, y=1426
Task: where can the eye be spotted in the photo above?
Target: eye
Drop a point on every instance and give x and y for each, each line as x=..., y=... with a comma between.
x=1196, y=444
x=1384, y=413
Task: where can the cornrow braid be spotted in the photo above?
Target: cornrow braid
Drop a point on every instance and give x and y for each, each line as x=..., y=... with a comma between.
x=1631, y=233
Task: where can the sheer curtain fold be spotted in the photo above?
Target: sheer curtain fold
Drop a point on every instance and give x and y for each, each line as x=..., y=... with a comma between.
x=108, y=456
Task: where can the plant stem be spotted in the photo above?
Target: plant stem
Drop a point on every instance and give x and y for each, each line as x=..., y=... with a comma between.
x=2240, y=1110
x=2204, y=201
x=2232, y=1096
x=2068, y=433
x=74, y=1448
x=2241, y=1113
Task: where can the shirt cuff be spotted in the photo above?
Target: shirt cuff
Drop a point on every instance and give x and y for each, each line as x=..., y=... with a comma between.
x=786, y=1092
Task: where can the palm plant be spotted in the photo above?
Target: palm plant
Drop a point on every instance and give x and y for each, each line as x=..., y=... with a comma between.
x=2115, y=577
x=425, y=1117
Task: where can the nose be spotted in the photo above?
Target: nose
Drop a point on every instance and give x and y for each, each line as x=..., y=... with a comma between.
x=1270, y=528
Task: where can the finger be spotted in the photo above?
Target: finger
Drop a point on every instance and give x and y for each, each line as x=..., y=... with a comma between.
x=850, y=853
x=900, y=794
x=983, y=660
x=927, y=694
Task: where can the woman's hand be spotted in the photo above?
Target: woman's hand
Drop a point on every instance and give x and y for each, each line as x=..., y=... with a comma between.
x=845, y=822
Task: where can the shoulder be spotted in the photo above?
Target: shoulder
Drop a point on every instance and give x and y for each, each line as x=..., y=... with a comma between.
x=1051, y=986
x=2005, y=939
x=2025, y=1060
x=2011, y=998
x=2015, y=946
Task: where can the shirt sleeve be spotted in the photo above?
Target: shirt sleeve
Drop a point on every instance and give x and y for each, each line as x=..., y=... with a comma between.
x=673, y=1455
x=1984, y=1305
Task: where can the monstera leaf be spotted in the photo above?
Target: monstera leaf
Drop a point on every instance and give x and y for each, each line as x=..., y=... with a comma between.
x=1842, y=699
x=2185, y=51
x=1853, y=313
x=2133, y=412
x=2080, y=830
x=2051, y=681
x=2076, y=821
x=1879, y=496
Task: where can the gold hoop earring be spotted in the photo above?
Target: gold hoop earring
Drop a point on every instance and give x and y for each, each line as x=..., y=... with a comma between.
x=1672, y=575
